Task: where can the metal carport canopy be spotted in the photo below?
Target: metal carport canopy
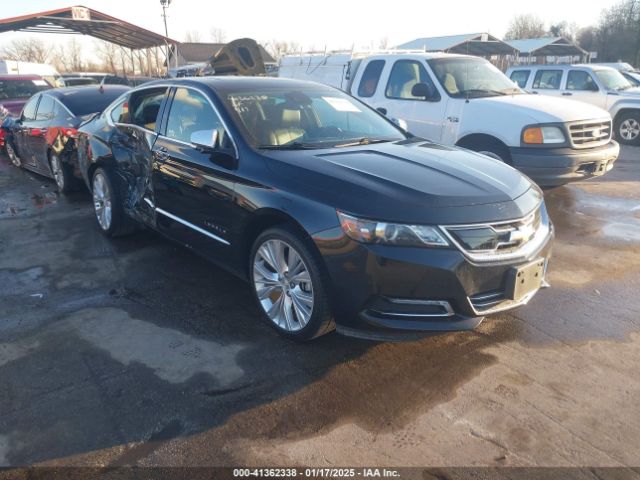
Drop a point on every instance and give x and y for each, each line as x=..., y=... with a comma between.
x=546, y=46
x=82, y=20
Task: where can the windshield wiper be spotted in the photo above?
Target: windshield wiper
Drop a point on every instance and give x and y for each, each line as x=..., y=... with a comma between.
x=363, y=141
x=290, y=146
x=482, y=90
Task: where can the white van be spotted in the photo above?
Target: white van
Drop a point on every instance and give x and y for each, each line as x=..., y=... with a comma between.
x=465, y=101
x=48, y=72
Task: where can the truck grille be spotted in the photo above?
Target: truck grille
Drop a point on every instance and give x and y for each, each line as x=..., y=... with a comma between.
x=590, y=134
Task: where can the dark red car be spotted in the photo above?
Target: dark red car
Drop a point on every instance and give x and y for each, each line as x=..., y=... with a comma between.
x=42, y=139
x=15, y=91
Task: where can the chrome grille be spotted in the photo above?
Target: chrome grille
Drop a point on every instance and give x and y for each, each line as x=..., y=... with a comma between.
x=504, y=240
x=590, y=134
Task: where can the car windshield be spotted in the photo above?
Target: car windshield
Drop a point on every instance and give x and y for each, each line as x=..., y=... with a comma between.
x=308, y=118
x=21, y=88
x=613, y=80
x=465, y=77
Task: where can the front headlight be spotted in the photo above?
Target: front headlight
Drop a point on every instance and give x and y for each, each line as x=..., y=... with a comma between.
x=541, y=135
x=370, y=231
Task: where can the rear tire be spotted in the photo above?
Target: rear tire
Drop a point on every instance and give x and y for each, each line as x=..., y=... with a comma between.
x=13, y=156
x=289, y=285
x=108, y=204
x=62, y=174
x=627, y=128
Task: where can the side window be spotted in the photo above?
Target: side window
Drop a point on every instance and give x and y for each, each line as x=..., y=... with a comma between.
x=580, y=80
x=46, y=108
x=144, y=107
x=120, y=113
x=547, y=79
x=191, y=112
x=29, y=110
x=404, y=75
x=370, y=78
x=520, y=77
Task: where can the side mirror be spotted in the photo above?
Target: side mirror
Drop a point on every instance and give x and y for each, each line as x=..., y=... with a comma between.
x=205, y=140
x=424, y=90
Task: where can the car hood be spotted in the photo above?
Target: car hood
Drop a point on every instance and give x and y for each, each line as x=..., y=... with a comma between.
x=418, y=182
x=540, y=108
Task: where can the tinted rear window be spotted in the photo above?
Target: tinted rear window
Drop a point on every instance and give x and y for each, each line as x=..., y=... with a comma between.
x=83, y=102
x=21, y=88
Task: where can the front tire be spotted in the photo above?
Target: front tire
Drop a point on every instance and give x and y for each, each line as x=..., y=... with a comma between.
x=627, y=128
x=289, y=285
x=108, y=204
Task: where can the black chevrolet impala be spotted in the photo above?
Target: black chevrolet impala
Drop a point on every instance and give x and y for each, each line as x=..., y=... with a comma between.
x=335, y=216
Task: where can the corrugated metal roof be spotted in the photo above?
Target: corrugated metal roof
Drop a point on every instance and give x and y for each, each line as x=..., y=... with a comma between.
x=86, y=21
x=552, y=46
x=471, y=43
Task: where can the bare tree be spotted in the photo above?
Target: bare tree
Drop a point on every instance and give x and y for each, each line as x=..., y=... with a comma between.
x=27, y=50
x=70, y=55
x=193, y=36
x=564, y=29
x=525, y=26
x=383, y=44
x=279, y=48
x=217, y=35
x=109, y=54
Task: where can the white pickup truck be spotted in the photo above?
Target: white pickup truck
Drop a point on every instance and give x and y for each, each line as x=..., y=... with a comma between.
x=597, y=84
x=465, y=101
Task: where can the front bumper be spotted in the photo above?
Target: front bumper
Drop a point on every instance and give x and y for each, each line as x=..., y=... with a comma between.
x=550, y=167
x=384, y=292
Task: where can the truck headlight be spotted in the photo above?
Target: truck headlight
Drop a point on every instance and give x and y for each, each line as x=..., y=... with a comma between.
x=542, y=135
x=371, y=231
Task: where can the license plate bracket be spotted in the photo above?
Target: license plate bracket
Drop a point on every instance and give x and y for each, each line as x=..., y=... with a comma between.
x=524, y=279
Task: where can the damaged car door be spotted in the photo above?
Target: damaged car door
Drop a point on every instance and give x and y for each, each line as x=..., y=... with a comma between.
x=137, y=119
x=193, y=181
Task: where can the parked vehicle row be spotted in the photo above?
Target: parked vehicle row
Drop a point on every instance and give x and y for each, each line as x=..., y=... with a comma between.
x=599, y=85
x=465, y=101
x=42, y=138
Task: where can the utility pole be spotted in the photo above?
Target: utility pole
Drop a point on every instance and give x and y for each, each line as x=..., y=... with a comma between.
x=165, y=4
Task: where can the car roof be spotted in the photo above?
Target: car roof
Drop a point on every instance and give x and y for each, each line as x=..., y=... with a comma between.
x=231, y=82
x=87, y=91
x=20, y=77
x=592, y=66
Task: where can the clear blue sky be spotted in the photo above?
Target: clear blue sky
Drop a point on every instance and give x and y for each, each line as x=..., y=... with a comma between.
x=330, y=23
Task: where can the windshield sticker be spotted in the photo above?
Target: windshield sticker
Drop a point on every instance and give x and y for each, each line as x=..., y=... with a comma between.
x=341, y=104
x=39, y=83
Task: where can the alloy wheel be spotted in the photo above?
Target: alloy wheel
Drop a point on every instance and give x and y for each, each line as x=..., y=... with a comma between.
x=630, y=129
x=283, y=285
x=58, y=174
x=11, y=153
x=102, y=201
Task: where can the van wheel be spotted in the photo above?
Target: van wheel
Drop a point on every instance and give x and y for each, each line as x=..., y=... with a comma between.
x=108, y=204
x=13, y=156
x=289, y=285
x=627, y=128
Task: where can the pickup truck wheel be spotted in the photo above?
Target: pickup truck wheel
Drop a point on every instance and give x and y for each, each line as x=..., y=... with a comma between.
x=492, y=149
x=289, y=284
x=627, y=128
